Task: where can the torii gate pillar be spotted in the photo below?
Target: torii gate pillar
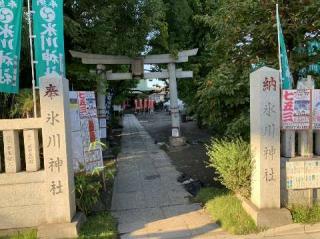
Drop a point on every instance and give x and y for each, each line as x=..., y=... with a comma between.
x=175, y=139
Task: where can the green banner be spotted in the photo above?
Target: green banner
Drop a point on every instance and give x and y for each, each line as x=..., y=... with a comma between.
x=49, y=41
x=10, y=44
x=286, y=76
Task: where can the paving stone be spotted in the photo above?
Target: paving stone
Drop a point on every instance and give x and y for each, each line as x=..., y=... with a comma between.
x=147, y=199
x=172, y=211
x=174, y=227
x=126, y=201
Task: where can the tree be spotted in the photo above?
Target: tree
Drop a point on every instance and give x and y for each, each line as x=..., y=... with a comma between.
x=118, y=27
x=234, y=36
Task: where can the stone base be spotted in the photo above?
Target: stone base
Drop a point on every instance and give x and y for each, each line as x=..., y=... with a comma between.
x=177, y=141
x=64, y=230
x=267, y=218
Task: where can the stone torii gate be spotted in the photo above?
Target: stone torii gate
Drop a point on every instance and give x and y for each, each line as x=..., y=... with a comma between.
x=137, y=72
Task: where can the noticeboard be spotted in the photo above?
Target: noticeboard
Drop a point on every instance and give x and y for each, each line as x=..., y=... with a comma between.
x=296, y=109
x=86, y=152
x=303, y=174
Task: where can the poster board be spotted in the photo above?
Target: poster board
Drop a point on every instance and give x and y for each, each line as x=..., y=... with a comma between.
x=296, y=109
x=86, y=153
x=303, y=174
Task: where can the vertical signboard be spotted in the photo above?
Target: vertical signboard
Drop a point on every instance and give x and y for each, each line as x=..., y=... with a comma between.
x=49, y=41
x=10, y=44
x=87, y=152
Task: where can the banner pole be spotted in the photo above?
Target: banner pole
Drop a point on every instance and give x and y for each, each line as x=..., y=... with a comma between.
x=31, y=36
x=279, y=45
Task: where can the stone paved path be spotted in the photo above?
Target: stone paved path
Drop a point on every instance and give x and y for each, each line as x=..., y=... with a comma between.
x=149, y=202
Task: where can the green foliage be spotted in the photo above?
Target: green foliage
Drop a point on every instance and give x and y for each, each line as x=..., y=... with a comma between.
x=226, y=209
x=87, y=190
x=5, y=106
x=23, y=106
x=305, y=214
x=232, y=36
x=99, y=226
x=232, y=161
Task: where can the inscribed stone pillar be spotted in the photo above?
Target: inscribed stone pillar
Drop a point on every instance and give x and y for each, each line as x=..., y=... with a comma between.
x=31, y=148
x=59, y=185
x=265, y=137
x=12, y=158
x=175, y=115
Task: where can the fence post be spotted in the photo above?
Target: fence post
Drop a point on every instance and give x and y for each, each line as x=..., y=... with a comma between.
x=305, y=138
x=11, y=151
x=31, y=147
x=288, y=144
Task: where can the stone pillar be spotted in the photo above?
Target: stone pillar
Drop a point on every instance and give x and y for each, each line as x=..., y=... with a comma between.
x=12, y=158
x=101, y=102
x=31, y=148
x=288, y=149
x=175, y=140
x=175, y=116
x=59, y=184
x=305, y=137
x=265, y=137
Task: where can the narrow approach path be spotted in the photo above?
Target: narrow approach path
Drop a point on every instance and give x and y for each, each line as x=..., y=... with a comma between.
x=147, y=200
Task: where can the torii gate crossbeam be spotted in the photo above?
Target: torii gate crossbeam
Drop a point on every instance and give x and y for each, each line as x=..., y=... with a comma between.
x=172, y=74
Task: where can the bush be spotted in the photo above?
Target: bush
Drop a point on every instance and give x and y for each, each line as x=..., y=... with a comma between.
x=232, y=161
x=87, y=190
x=305, y=214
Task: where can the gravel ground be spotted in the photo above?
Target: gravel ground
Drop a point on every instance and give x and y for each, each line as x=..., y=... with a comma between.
x=190, y=160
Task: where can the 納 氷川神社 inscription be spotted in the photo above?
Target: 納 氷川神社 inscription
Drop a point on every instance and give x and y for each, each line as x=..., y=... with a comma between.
x=265, y=137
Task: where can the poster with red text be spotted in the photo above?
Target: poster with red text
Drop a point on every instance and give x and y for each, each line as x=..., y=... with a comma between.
x=87, y=152
x=296, y=109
